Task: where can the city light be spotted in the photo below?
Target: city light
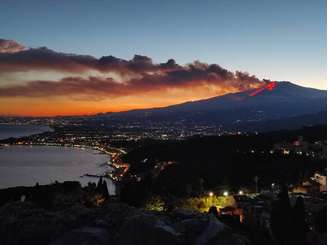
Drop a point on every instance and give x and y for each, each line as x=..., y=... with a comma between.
x=241, y=192
x=210, y=194
x=225, y=193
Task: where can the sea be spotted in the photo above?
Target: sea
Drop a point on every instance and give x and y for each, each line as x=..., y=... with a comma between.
x=15, y=131
x=22, y=165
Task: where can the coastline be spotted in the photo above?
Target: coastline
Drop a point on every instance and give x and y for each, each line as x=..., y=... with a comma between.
x=110, y=174
x=34, y=129
x=117, y=167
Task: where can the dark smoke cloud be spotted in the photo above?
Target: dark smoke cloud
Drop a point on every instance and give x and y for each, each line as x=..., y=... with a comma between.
x=140, y=74
x=45, y=59
x=107, y=87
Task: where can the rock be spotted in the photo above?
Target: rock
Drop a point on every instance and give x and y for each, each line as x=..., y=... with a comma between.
x=195, y=225
x=213, y=229
x=84, y=236
x=206, y=229
x=148, y=229
x=22, y=223
x=192, y=228
x=186, y=214
x=25, y=223
x=229, y=239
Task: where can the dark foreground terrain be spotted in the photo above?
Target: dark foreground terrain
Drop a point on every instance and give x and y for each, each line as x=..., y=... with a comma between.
x=71, y=215
x=256, y=189
x=68, y=214
x=24, y=223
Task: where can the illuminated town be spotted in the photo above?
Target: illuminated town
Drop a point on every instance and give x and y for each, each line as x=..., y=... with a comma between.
x=247, y=204
x=163, y=122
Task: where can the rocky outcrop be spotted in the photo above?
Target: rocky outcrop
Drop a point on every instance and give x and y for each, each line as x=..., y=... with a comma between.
x=149, y=229
x=212, y=229
x=24, y=223
x=84, y=236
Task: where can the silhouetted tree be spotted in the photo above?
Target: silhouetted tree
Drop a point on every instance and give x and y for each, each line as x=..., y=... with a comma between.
x=135, y=193
x=320, y=221
x=104, y=190
x=299, y=223
x=213, y=210
x=281, y=218
x=99, y=184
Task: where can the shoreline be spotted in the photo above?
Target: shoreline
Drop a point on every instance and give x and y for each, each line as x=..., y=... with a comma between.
x=42, y=129
x=107, y=174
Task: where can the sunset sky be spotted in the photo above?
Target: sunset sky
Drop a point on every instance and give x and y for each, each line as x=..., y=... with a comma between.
x=84, y=57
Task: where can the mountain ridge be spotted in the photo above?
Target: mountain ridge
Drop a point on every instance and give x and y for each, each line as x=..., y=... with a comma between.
x=236, y=96
x=273, y=102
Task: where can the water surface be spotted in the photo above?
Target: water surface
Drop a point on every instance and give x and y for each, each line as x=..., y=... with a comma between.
x=27, y=165
x=16, y=131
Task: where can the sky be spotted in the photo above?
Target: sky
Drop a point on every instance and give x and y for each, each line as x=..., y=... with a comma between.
x=85, y=57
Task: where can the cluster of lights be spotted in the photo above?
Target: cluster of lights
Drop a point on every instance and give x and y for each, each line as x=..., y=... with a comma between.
x=225, y=193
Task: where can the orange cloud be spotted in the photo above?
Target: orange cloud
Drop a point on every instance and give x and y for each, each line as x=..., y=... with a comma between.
x=117, y=80
x=10, y=46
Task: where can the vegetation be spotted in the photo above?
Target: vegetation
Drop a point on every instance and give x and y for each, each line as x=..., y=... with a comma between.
x=217, y=164
x=58, y=195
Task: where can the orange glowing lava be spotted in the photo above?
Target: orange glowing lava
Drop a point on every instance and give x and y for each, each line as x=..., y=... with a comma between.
x=269, y=86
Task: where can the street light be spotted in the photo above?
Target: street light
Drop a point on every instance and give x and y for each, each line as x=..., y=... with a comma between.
x=210, y=194
x=241, y=192
x=225, y=193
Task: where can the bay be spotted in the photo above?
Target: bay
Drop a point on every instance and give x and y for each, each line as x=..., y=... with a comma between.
x=27, y=165
x=15, y=131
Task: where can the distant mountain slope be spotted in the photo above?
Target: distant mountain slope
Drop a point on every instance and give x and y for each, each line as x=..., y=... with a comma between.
x=281, y=101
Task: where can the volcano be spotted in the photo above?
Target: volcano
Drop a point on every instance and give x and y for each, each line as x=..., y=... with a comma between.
x=276, y=103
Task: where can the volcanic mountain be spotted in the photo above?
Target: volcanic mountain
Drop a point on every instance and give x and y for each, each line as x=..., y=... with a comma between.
x=276, y=103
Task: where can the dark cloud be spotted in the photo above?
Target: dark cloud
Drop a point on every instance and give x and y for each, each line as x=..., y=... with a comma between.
x=66, y=86
x=139, y=74
x=107, y=87
x=45, y=59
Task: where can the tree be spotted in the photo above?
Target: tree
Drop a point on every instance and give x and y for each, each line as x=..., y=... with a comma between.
x=281, y=218
x=104, y=189
x=299, y=222
x=155, y=203
x=320, y=221
x=99, y=184
x=213, y=210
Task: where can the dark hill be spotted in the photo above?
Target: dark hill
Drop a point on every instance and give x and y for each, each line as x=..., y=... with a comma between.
x=282, y=105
